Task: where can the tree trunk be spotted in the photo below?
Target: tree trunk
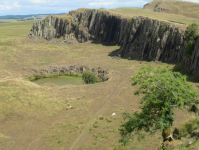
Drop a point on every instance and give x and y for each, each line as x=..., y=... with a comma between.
x=167, y=134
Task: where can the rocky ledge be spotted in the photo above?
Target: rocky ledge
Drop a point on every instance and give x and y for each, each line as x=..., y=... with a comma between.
x=139, y=37
x=74, y=69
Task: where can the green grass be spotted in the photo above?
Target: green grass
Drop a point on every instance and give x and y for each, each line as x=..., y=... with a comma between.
x=15, y=29
x=8, y=20
x=129, y=12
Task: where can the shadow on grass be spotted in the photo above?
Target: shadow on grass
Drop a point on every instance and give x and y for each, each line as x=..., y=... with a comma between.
x=114, y=53
x=179, y=68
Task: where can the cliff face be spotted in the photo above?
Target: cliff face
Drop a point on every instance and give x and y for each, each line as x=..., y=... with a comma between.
x=139, y=37
x=153, y=40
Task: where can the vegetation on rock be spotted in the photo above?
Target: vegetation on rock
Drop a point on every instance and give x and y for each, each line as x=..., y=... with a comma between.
x=163, y=91
x=191, y=35
x=163, y=27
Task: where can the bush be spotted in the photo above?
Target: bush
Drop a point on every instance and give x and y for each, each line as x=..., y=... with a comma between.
x=89, y=77
x=75, y=25
x=43, y=24
x=191, y=34
x=192, y=31
x=164, y=27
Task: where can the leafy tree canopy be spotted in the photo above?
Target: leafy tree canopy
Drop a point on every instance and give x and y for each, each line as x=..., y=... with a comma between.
x=162, y=90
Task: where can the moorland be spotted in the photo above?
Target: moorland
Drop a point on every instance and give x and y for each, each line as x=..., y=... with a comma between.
x=39, y=117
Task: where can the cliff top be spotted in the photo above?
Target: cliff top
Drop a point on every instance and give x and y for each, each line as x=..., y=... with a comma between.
x=136, y=12
x=179, y=12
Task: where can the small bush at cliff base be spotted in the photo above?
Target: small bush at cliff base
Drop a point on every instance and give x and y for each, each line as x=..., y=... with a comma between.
x=89, y=77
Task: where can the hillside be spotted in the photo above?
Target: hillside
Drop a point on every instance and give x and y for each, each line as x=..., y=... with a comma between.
x=188, y=9
x=180, y=12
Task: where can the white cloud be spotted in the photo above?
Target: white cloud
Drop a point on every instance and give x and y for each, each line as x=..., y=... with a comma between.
x=38, y=1
x=10, y=7
x=101, y=4
x=23, y=7
x=2, y=7
x=16, y=5
x=118, y=3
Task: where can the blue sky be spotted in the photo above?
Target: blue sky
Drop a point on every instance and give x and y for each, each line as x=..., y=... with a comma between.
x=25, y=7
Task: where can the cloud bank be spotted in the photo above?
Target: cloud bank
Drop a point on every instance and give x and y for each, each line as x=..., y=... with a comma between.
x=24, y=7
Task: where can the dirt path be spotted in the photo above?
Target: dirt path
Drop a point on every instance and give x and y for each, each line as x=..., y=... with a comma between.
x=82, y=137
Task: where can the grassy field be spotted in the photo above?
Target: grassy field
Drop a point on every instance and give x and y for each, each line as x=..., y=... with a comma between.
x=15, y=29
x=36, y=117
x=130, y=12
x=179, y=11
x=8, y=20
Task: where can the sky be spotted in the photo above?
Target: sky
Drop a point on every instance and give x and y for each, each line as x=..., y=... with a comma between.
x=26, y=7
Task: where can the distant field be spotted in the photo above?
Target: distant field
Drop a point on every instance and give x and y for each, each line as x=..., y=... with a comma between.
x=12, y=20
x=8, y=20
x=15, y=29
x=134, y=11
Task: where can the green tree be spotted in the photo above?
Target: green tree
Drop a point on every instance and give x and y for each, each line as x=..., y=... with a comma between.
x=89, y=77
x=162, y=90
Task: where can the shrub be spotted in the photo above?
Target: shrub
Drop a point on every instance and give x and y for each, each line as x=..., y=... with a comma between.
x=191, y=34
x=89, y=77
x=102, y=32
x=163, y=27
x=129, y=21
x=190, y=47
x=43, y=24
x=131, y=37
x=192, y=31
x=75, y=25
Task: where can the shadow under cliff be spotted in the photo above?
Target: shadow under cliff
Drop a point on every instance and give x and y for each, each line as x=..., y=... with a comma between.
x=179, y=68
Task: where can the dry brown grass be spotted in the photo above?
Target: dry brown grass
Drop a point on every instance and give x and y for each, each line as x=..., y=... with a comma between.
x=64, y=16
x=183, y=12
x=37, y=117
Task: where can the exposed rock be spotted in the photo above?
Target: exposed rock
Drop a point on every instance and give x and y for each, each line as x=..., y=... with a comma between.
x=76, y=69
x=140, y=38
x=160, y=9
x=65, y=42
x=146, y=5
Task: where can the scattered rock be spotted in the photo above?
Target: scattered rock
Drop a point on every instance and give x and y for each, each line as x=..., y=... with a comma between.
x=65, y=42
x=75, y=69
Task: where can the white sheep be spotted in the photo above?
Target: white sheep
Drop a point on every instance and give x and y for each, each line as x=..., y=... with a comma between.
x=113, y=114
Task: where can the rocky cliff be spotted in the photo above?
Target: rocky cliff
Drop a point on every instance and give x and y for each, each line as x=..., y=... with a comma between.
x=139, y=37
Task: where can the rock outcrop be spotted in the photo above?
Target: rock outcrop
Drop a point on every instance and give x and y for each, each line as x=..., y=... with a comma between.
x=73, y=69
x=146, y=5
x=139, y=37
